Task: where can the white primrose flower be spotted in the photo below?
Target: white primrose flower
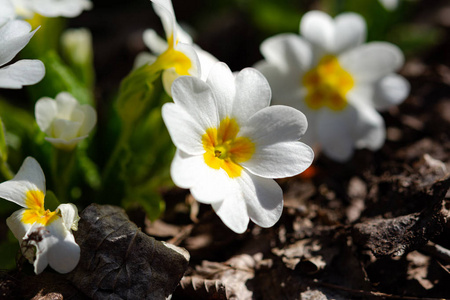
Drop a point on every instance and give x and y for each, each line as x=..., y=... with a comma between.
x=47, y=8
x=64, y=120
x=178, y=55
x=45, y=237
x=390, y=4
x=230, y=144
x=14, y=36
x=337, y=81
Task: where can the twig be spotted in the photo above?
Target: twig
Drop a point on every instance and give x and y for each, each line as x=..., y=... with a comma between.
x=437, y=251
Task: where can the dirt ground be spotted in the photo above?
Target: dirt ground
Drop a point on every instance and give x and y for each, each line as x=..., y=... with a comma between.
x=376, y=227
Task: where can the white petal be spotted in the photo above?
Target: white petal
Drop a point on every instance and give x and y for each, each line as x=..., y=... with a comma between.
x=23, y=72
x=289, y=53
x=252, y=94
x=65, y=104
x=197, y=99
x=30, y=177
x=350, y=31
x=58, y=248
x=335, y=133
x=318, y=28
x=280, y=160
x=14, y=35
x=207, y=185
x=65, y=144
x=45, y=112
x=275, y=124
x=390, y=4
x=143, y=58
x=264, y=199
x=222, y=83
x=186, y=132
x=372, y=61
x=15, y=224
x=164, y=10
x=65, y=129
x=65, y=8
x=8, y=11
x=391, y=90
x=69, y=214
x=207, y=61
x=154, y=42
x=233, y=211
x=369, y=129
x=89, y=120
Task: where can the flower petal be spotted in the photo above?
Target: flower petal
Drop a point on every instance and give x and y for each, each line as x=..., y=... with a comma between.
x=65, y=104
x=15, y=224
x=164, y=10
x=207, y=61
x=8, y=11
x=22, y=72
x=45, y=112
x=69, y=215
x=143, y=58
x=233, y=211
x=197, y=99
x=65, y=144
x=223, y=85
x=318, y=28
x=335, y=130
x=350, y=31
x=390, y=90
x=89, y=120
x=185, y=131
x=289, y=52
x=370, y=62
x=14, y=35
x=207, y=185
x=252, y=94
x=369, y=129
x=58, y=248
x=30, y=177
x=67, y=8
x=154, y=42
x=263, y=198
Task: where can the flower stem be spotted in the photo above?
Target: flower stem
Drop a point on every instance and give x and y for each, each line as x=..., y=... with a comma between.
x=62, y=169
x=6, y=171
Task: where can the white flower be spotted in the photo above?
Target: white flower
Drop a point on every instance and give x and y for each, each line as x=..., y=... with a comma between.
x=47, y=8
x=338, y=82
x=390, y=4
x=64, y=120
x=14, y=36
x=177, y=55
x=230, y=144
x=49, y=233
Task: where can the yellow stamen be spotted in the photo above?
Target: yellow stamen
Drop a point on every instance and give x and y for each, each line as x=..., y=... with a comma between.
x=225, y=150
x=172, y=58
x=327, y=85
x=35, y=211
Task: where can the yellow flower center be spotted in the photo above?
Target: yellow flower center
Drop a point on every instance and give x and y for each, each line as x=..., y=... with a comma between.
x=172, y=58
x=224, y=150
x=327, y=85
x=35, y=211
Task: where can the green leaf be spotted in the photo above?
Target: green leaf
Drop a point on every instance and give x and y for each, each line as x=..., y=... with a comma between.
x=3, y=147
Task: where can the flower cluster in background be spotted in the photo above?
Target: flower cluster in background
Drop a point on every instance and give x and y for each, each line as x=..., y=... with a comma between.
x=179, y=117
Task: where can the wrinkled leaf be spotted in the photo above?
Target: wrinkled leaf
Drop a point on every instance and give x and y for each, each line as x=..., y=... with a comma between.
x=118, y=261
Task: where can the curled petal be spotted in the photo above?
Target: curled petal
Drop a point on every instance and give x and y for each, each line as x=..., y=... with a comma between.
x=390, y=90
x=14, y=36
x=23, y=72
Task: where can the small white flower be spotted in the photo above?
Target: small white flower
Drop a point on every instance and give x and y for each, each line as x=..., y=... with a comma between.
x=230, y=144
x=390, y=4
x=64, y=120
x=338, y=82
x=14, y=36
x=178, y=55
x=45, y=237
x=47, y=8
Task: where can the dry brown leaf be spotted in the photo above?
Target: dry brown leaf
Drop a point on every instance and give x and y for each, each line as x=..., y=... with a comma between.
x=118, y=261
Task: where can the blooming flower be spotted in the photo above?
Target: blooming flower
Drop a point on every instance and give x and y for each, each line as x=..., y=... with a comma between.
x=178, y=55
x=64, y=120
x=230, y=144
x=390, y=4
x=14, y=36
x=35, y=227
x=48, y=8
x=336, y=81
